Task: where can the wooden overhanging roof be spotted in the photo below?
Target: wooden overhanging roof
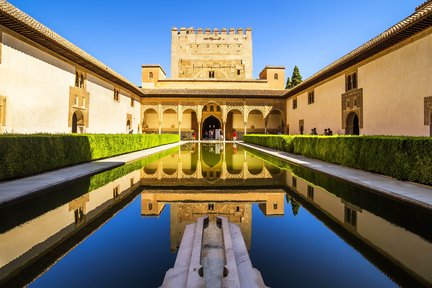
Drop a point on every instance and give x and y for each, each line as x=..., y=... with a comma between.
x=21, y=23
x=207, y=93
x=419, y=21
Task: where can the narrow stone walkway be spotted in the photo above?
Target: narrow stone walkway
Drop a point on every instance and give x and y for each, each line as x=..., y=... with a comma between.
x=416, y=194
x=16, y=190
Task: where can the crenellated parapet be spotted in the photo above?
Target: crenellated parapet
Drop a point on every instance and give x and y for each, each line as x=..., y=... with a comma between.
x=207, y=31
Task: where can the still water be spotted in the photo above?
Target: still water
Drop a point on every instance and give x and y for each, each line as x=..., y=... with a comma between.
x=123, y=227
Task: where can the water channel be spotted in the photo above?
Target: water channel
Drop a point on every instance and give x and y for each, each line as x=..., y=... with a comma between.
x=123, y=227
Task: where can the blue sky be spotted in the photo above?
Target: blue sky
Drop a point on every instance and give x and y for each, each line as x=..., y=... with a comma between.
x=309, y=33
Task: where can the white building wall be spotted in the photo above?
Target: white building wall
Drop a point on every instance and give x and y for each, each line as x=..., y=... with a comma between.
x=36, y=86
x=107, y=115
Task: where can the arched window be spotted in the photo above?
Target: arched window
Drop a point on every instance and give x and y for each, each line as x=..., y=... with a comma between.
x=150, y=75
x=211, y=108
x=276, y=76
x=205, y=108
x=218, y=109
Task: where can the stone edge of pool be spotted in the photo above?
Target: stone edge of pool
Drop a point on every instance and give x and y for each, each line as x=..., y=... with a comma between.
x=20, y=189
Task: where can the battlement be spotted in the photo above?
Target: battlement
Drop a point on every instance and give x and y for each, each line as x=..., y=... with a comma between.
x=208, y=31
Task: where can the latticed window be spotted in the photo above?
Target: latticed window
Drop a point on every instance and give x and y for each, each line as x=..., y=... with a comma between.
x=351, y=81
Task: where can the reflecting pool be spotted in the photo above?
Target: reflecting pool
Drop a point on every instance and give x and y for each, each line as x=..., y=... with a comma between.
x=123, y=227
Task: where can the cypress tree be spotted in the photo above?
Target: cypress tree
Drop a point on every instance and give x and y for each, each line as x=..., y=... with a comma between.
x=288, y=83
x=296, y=78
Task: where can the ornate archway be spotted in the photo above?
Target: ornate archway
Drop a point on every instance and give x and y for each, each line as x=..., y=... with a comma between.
x=352, y=126
x=211, y=128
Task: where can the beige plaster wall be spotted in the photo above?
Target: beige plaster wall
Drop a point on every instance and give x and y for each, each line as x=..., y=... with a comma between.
x=36, y=86
x=325, y=112
x=394, y=87
x=107, y=115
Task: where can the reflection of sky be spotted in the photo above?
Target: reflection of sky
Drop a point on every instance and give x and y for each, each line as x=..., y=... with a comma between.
x=128, y=251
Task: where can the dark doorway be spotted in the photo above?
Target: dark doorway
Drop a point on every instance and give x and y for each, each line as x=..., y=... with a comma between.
x=352, y=124
x=210, y=125
x=77, y=121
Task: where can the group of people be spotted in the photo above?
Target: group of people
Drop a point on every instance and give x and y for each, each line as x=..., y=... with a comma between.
x=327, y=132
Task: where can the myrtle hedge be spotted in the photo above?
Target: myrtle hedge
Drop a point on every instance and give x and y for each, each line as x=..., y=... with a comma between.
x=401, y=157
x=24, y=155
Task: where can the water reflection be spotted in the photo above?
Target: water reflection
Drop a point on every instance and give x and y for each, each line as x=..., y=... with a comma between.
x=211, y=165
x=234, y=182
x=186, y=207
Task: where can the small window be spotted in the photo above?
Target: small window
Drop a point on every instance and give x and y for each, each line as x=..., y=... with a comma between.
x=131, y=182
x=205, y=108
x=211, y=207
x=310, y=192
x=350, y=216
x=116, y=95
x=294, y=106
x=218, y=109
x=238, y=72
x=294, y=182
x=311, y=97
x=275, y=206
x=351, y=81
x=276, y=76
x=211, y=108
x=150, y=206
x=83, y=102
x=116, y=192
x=150, y=75
x=211, y=74
x=132, y=103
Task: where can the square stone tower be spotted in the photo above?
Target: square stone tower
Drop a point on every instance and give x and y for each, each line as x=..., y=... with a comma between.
x=218, y=54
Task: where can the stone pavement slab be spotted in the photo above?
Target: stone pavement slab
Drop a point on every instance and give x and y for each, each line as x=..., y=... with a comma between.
x=16, y=190
x=414, y=193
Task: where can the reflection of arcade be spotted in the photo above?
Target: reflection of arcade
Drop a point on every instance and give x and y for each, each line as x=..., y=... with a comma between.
x=186, y=207
x=211, y=164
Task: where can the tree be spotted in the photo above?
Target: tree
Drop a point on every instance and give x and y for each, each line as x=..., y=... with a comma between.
x=288, y=84
x=296, y=78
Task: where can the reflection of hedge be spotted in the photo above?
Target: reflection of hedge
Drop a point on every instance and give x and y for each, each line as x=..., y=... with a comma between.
x=44, y=202
x=404, y=215
x=24, y=155
x=102, y=179
x=405, y=158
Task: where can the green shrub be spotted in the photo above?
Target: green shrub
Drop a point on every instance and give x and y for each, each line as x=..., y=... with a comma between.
x=24, y=155
x=405, y=158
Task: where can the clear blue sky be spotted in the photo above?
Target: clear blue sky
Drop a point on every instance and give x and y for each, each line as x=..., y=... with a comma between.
x=308, y=33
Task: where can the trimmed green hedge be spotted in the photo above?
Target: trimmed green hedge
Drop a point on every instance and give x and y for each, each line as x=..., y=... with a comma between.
x=24, y=155
x=404, y=158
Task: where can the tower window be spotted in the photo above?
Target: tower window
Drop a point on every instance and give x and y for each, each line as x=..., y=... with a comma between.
x=150, y=75
x=276, y=76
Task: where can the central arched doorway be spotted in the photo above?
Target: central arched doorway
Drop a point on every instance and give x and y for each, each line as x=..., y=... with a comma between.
x=352, y=124
x=211, y=128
